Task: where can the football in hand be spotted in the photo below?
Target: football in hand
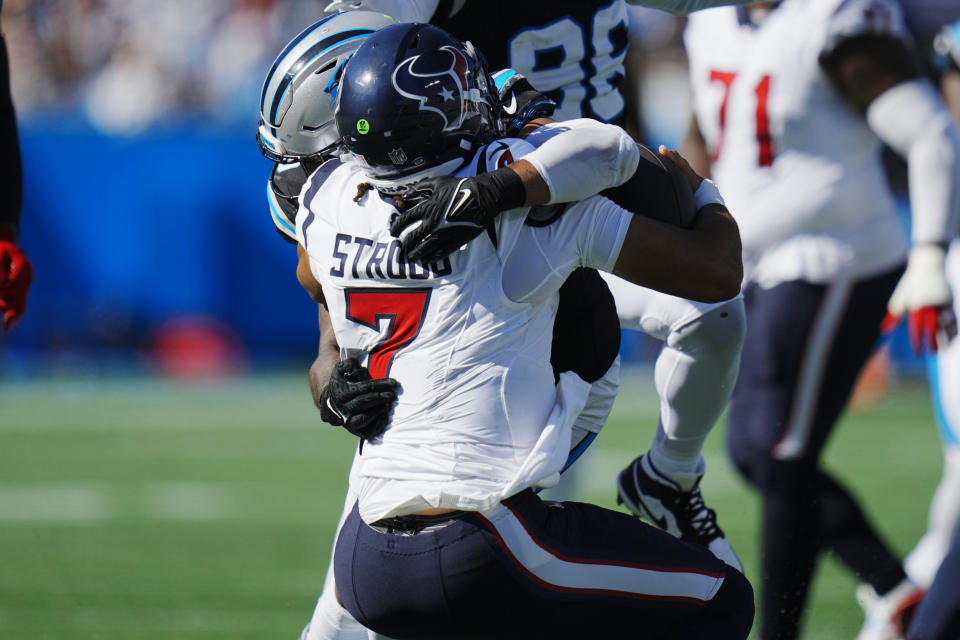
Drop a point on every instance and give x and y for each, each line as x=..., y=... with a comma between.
x=658, y=190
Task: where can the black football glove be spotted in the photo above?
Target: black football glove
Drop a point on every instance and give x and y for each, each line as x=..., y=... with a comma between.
x=357, y=402
x=453, y=211
x=520, y=103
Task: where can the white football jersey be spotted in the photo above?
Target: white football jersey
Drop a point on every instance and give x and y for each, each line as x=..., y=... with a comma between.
x=478, y=417
x=799, y=169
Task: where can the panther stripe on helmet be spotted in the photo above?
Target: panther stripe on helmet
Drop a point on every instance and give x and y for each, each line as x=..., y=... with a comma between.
x=314, y=52
x=284, y=55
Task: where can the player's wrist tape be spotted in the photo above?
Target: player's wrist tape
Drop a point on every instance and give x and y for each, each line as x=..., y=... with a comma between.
x=707, y=193
x=500, y=190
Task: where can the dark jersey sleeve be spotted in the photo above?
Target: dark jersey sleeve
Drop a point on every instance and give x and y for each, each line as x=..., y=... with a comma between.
x=11, y=178
x=567, y=49
x=283, y=192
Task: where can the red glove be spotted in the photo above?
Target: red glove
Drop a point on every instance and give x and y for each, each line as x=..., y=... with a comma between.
x=16, y=276
x=924, y=296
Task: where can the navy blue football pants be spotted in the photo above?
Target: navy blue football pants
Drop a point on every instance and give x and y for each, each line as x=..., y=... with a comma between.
x=534, y=569
x=805, y=346
x=938, y=616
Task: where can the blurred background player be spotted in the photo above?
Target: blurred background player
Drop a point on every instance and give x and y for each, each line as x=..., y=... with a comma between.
x=16, y=273
x=574, y=52
x=922, y=563
x=934, y=564
x=792, y=102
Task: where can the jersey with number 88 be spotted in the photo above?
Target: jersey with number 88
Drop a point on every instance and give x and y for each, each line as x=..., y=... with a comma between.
x=571, y=50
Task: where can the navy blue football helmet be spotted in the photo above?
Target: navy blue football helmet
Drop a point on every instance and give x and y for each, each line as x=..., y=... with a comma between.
x=414, y=102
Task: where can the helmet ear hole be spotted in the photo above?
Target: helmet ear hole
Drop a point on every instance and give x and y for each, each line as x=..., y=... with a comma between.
x=326, y=67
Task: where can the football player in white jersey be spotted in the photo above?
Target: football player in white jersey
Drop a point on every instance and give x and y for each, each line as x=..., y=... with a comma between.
x=294, y=127
x=296, y=131
x=447, y=528
x=573, y=51
x=792, y=102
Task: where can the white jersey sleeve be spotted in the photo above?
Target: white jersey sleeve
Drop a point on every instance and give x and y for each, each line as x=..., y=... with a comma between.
x=590, y=232
x=853, y=18
x=581, y=157
x=913, y=120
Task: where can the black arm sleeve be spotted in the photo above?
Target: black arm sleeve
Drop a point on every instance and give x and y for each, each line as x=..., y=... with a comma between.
x=11, y=178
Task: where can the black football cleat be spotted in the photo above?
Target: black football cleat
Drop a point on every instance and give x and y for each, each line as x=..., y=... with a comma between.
x=651, y=495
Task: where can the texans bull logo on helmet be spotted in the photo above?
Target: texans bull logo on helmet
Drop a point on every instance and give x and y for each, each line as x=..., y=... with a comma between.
x=418, y=83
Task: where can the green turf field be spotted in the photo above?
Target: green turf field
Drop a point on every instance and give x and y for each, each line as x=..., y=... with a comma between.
x=142, y=509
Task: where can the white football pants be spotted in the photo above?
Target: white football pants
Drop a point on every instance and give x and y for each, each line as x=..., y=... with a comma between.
x=695, y=370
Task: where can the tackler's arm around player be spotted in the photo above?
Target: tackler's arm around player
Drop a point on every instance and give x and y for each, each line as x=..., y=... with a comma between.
x=573, y=160
x=702, y=263
x=343, y=390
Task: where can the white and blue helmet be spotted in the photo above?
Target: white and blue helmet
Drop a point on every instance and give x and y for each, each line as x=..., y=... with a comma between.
x=296, y=104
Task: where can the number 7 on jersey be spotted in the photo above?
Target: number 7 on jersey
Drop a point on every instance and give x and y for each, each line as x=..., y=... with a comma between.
x=404, y=309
